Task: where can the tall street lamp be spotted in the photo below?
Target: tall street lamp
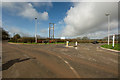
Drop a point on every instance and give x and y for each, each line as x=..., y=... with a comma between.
x=35, y=30
x=108, y=15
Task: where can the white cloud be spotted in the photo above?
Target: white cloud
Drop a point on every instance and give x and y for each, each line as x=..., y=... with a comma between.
x=44, y=31
x=25, y=10
x=100, y=34
x=61, y=22
x=86, y=18
x=16, y=30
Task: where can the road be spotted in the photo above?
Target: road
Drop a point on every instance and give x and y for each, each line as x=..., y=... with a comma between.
x=58, y=61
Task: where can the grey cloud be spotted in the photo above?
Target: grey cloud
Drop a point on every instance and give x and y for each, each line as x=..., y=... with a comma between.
x=86, y=18
x=15, y=30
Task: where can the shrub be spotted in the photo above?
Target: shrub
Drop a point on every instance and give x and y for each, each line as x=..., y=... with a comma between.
x=28, y=39
x=17, y=36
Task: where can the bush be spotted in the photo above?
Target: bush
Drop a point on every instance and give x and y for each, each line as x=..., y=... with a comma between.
x=5, y=35
x=28, y=39
x=11, y=40
x=39, y=41
x=23, y=39
x=17, y=36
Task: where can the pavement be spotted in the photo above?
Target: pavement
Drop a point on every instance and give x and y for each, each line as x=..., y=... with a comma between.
x=58, y=61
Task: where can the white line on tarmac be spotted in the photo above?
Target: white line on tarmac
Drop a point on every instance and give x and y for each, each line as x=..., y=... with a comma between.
x=59, y=56
x=66, y=62
x=71, y=68
x=74, y=71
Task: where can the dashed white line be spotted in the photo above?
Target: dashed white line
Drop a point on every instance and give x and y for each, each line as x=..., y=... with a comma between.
x=71, y=68
x=66, y=62
x=59, y=56
x=74, y=71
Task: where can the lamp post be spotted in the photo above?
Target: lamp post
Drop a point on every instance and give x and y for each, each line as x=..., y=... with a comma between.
x=35, y=30
x=108, y=15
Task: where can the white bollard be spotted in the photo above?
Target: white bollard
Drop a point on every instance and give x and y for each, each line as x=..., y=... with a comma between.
x=113, y=40
x=67, y=43
x=76, y=43
x=75, y=47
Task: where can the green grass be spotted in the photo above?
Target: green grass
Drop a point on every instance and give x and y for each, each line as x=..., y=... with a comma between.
x=116, y=47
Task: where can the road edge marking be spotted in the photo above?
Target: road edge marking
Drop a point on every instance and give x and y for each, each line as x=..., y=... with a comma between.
x=110, y=50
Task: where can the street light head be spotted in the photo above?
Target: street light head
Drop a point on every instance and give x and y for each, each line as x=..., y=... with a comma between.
x=35, y=18
x=107, y=14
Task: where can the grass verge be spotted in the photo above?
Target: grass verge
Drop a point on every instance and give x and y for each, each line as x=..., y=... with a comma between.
x=116, y=47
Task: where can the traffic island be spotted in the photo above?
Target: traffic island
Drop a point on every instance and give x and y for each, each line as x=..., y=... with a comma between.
x=116, y=48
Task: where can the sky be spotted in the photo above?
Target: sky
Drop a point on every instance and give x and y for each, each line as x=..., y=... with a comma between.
x=72, y=19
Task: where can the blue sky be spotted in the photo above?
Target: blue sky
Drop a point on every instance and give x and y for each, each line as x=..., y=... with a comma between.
x=71, y=19
x=56, y=12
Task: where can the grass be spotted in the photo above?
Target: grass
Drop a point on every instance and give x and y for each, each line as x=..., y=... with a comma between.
x=116, y=47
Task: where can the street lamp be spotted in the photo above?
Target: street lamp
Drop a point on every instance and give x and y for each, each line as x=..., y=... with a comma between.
x=35, y=30
x=108, y=15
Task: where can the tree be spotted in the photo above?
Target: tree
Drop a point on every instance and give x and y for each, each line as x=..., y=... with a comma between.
x=78, y=38
x=16, y=37
x=85, y=38
x=5, y=35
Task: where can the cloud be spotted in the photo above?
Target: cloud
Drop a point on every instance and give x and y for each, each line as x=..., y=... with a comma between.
x=61, y=22
x=16, y=30
x=41, y=4
x=44, y=31
x=86, y=18
x=100, y=34
x=25, y=10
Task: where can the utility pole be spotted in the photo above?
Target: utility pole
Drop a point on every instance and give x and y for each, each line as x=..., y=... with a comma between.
x=35, y=30
x=108, y=15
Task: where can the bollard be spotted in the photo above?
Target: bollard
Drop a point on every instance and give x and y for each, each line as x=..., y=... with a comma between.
x=75, y=47
x=67, y=43
x=113, y=40
x=76, y=43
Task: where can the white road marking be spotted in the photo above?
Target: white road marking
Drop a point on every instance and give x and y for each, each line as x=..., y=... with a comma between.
x=59, y=56
x=66, y=62
x=71, y=68
x=74, y=71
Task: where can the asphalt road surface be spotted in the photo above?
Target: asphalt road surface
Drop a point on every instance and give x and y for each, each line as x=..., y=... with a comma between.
x=58, y=61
